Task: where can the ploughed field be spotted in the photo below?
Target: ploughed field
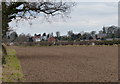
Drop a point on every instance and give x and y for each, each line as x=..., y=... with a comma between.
x=69, y=63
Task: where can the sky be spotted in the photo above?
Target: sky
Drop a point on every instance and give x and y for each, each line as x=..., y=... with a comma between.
x=85, y=16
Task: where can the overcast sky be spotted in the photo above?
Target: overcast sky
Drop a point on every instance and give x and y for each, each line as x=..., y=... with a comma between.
x=85, y=16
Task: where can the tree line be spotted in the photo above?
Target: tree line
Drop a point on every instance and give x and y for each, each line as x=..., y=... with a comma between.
x=107, y=33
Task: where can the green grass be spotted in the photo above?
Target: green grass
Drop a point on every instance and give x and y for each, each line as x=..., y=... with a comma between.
x=12, y=71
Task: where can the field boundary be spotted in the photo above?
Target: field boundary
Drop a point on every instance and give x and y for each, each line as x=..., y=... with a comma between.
x=12, y=71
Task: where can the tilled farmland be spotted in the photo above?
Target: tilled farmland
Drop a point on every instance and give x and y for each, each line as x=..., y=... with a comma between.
x=69, y=63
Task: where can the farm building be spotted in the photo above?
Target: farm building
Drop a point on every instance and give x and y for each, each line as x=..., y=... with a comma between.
x=37, y=38
x=51, y=39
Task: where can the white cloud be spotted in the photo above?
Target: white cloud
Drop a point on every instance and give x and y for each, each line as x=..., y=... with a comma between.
x=85, y=17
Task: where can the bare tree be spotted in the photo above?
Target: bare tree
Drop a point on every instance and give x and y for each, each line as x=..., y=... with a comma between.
x=70, y=33
x=58, y=34
x=27, y=10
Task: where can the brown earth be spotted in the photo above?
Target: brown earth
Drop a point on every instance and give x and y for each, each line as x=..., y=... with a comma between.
x=69, y=63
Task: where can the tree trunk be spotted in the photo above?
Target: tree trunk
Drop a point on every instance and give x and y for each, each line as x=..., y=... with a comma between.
x=4, y=53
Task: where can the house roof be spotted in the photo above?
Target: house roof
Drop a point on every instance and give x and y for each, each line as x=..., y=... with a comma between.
x=37, y=36
x=51, y=39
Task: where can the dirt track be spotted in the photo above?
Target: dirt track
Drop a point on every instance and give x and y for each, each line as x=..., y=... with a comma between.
x=69, y=63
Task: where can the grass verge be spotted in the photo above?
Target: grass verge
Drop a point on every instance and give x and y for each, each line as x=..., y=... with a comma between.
x=12, y=71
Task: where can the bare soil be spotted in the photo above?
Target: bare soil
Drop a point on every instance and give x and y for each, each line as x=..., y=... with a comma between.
x=69, y=63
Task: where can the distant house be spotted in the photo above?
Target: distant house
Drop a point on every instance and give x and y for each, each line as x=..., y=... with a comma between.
x=37, y=38
x=51, y=39
x=109, y=39
x=44, y=38
x=101, y=35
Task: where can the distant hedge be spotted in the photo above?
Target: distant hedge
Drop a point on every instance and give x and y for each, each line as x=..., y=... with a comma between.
x=107, y=42
x=45, y=43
